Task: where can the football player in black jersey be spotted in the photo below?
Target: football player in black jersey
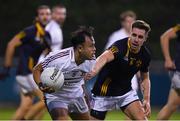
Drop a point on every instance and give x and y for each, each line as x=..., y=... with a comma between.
x=115, y=69
x=31, y=41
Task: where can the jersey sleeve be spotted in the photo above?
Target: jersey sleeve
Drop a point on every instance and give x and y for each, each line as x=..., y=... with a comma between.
x=115, y=49
x=55, y=59
x=24, y=35
x=88, y=65
x=145, y=67
x=177, y=29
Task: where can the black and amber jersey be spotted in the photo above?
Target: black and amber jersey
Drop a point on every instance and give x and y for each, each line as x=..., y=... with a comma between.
x=34, y=40
x=114, y=79
x=177, y=55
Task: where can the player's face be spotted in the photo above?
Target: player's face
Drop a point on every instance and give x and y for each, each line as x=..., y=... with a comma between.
x=127, y=23
x=88, y=48
x=137, y=38
x=44, y=16
x=59, y=14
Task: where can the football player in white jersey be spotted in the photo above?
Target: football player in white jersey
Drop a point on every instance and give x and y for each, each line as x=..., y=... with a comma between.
x=74, y=62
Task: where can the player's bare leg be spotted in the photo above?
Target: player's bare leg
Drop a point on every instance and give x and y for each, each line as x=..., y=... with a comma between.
x=35, y=110
x=135, y=111
x=171, y=106
x=26, y=103
x=135, y=85
x=59, y=114
x=40, y=115
x=80, y=116
x=37, y=107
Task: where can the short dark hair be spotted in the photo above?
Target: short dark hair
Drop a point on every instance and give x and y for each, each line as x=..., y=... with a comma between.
x=78, y=36
x=128, y=13
x=141, y=25
x=42, y=7
x=58, y=6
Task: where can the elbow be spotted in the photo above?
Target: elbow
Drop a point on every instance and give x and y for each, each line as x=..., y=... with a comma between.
x=162, y=38
x=37, y=69
x=34, y=70
x=10, y=45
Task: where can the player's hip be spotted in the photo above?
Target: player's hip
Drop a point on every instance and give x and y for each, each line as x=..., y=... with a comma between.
x=175, y=79
x=73, y=105
x=105, y=103
x=26, y=83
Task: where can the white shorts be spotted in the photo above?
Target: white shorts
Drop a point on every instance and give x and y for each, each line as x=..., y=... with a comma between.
x=73, y=105
x=27, y=84
x=175, y=79
x=100, y=103
x=134, y=83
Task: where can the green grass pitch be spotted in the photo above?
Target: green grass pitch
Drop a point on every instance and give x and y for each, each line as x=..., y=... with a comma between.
x=6, y=113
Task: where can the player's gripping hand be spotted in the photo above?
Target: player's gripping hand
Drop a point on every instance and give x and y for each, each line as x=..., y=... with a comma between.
x=4, y=73
x=169, y=65
x=44, y=88
x=89, y=75
x=147, y=108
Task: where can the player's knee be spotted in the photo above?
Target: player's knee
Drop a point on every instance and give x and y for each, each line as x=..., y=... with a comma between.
x=178, y=91
x=100, y=115
x=172, y=106
x=24, y=108
x=140, y=116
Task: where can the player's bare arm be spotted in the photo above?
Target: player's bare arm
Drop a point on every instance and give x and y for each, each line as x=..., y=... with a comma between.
x=37, y=70
x=9, y=56
x=145, y=88
x=10, y=50
x=104, y=58
x=165, y=38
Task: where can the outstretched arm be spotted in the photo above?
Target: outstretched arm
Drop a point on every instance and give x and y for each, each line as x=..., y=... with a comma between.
x=104, y=58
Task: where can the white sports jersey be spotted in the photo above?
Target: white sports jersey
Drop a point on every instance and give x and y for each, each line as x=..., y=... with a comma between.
x=73, y=73
x=117, y=35
x=55, y=32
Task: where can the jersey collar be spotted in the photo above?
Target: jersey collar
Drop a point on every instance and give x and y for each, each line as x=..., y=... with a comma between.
x=72, y=55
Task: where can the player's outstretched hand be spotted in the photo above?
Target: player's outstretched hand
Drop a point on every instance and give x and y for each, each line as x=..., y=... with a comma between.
x=169, y=65
x=147, y=108
x=4, y=73
x=44, y=88
x=89, y=75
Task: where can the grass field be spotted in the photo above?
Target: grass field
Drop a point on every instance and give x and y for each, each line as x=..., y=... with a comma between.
x=6, y=113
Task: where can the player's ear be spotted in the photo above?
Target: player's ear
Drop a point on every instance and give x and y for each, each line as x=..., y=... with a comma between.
x=146, y=36
x=79, y=48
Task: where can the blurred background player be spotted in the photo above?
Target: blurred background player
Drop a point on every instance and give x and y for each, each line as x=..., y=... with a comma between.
x=31, y=42
x=115, y=68
x=126, y=18
x=174, y=71
x=74, y=62
x=54, y=28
